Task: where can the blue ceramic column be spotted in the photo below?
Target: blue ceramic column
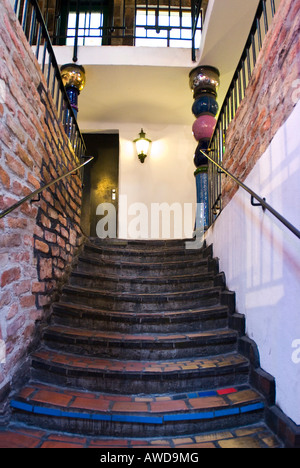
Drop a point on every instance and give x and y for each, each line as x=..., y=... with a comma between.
x=204, y=82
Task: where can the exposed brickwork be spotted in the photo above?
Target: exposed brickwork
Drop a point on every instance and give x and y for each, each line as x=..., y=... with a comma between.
x=270, y=97
x=39, y=240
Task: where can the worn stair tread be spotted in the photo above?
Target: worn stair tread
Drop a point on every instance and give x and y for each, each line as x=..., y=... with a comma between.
x=148, y=279
x=76, y=335
x=63, y=402
x=164, y=369
x=24, y=436
x=140, y=244
x=161, y=251
x=145, y=265
x=140, y=316
x=140, y=297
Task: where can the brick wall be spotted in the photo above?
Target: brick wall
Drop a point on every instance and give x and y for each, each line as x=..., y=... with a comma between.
x=38, y=241
x=270, y=98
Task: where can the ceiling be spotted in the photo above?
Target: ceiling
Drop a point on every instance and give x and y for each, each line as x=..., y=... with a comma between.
x=151, y=85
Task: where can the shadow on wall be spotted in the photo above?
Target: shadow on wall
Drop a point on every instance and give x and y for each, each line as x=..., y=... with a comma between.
x=261, y=260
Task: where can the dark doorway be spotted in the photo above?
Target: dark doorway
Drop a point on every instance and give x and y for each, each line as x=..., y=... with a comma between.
x=101, y=184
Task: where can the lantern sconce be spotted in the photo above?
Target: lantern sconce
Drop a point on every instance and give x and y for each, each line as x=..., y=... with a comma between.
x=142, y=146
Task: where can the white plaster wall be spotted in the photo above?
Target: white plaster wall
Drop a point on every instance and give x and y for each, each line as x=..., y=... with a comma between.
x=166, y=177
x=261, y=260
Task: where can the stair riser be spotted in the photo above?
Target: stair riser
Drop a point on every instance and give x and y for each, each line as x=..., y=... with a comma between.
x=142, y=303
x=93, y=322
x=136, y=430
x=139, y=383
x=138, y=256
x=141, y=286
x=162, y=270
x=144, y=351
x=146, y=245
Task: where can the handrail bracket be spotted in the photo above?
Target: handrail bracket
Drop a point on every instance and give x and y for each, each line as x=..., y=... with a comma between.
x=253, y=203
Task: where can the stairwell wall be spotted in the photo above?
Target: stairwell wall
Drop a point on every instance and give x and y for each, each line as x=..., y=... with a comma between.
x=260, y=256
x=38, y=240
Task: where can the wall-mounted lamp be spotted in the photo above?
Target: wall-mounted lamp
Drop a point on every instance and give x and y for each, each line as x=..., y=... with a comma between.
x=142, y=146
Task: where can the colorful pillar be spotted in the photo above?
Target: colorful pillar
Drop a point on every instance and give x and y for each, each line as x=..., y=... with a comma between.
x=73, y=77
x=204, y=82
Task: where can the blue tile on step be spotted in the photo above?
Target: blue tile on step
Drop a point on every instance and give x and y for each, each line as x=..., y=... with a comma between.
x=137, y=419
x=189, y=417
x=226, y=412
x=254, y=407
x=21, y=406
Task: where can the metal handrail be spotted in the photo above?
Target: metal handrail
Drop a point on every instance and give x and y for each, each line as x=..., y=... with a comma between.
x=36, y=32
x=44, y=187
x=261, y=201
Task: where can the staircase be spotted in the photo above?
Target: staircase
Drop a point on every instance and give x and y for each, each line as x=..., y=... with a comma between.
x=139, y=353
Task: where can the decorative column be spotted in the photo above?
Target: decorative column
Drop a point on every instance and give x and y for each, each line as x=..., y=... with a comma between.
x=204, y=82
x=73, y=77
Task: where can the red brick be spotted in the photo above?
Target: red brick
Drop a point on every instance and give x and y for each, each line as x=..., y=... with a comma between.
x=50, y=236
x=30, y=130
x=38, y=287
x=36, y=157
x=10, y=240
x=20, y=189
x=27, y=301
x=10, y=276
x=41, y=246
x=45, y=268
x=4, y=177
x=61, y=242
x=45, y=221
x=15, y=165
x=22, y=287
x=23, y=155
x=17, y=223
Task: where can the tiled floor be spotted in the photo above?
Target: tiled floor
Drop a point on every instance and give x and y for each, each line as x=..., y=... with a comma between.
x=249, y=437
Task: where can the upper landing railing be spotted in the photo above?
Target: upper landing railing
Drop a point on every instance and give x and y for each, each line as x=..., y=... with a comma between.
x=33, y=25
x=236, y=93
x=159, y=23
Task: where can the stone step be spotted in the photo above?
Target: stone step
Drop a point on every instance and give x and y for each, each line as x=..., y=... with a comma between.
x=143, y=269
x=134, y=377
x=145, y=285
x=53, y=407
x=142, y=302
x=139, y=254
x=147, y=245
x=19, y=435
x=201, y=319
x=140, y=346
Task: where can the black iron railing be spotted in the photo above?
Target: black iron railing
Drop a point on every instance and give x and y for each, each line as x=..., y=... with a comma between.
x=34, y=27
x=254, y=196
x=165, y=23
x=236, y=93
x=32, y=195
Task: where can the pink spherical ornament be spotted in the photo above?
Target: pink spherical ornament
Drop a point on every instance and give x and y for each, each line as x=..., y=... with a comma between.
x=204, y=127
